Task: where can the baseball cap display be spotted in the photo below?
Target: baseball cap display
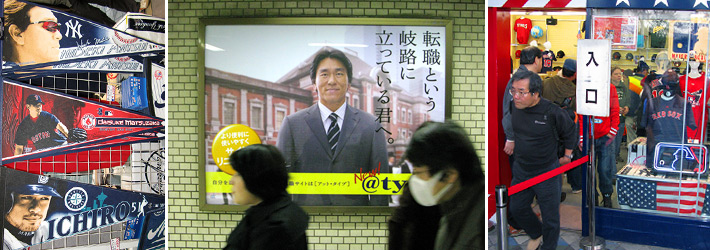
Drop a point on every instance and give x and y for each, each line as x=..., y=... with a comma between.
x=616, y=56
x=629, y=56
x=560, y=54
x=33, y=99
x=653, y=57
x=536, y=32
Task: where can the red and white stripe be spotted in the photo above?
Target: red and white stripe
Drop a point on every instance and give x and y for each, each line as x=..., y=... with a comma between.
x=683, y=198
x=538, y=3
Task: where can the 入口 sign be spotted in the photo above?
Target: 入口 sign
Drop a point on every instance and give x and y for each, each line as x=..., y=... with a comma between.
x=593, y=77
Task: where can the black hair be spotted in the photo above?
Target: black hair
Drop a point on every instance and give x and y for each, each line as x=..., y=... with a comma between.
x=445, y=145
x=334, y=54
x=535, y=85
x=568, y=72
x=529, y=54
x=263, y=169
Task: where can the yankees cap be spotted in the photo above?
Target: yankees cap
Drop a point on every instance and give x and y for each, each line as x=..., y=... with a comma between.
x=33, y=99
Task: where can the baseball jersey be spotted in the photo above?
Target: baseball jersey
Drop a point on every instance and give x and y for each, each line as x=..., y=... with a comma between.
x=547, y=57
x=667, y=118
x=696, y=98
x=41, y=133
x=522, y=29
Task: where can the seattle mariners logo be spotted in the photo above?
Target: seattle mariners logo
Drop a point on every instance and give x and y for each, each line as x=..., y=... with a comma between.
x=88, y=121
x=76, y=199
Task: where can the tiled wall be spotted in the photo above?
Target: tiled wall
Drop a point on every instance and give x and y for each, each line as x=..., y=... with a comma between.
x=190, y=228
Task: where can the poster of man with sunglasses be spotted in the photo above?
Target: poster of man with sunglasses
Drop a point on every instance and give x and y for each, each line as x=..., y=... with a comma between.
x=31, y=34
x=44, y=38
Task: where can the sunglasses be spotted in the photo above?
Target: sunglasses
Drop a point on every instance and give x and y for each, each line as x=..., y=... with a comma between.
x=50, y=26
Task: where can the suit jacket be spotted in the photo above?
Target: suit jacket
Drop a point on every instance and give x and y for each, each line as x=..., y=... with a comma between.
x=304, y=144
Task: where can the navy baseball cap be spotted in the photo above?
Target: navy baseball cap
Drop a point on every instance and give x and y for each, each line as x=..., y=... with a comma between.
x=616, y=56
x=670, y=77
x=560, y=54
x=629, y=56
x=33, y=99
x=36, y=189
x=570, y=64
x=653, y=57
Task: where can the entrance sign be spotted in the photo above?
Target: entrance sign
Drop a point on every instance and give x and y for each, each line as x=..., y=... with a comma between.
x=593, y=77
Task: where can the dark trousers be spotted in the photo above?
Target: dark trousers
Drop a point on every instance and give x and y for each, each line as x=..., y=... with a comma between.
x=548, y=197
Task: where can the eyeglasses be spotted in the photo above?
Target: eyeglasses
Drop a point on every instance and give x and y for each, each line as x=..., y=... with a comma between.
x=50, y=26
x=521, y=93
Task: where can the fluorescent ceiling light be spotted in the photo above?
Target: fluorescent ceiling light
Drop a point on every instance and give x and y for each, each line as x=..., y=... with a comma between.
x=338, y=45
x=213, y=48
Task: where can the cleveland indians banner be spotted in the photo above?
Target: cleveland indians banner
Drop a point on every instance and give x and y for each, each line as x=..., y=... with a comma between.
x=41, y=38
x=40, y=123
x=39, y=209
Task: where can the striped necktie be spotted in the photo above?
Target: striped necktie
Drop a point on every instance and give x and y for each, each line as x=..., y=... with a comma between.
x=333, y=132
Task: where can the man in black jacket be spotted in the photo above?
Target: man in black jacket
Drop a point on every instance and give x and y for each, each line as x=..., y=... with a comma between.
x=538, y=123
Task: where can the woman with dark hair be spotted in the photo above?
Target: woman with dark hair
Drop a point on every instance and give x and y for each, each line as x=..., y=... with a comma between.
x=442, y=206
x=273, y=221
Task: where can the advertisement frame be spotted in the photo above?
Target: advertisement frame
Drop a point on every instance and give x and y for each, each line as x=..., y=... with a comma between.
x=447, y=24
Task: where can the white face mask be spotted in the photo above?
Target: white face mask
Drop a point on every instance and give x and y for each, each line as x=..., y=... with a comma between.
x=423, y=191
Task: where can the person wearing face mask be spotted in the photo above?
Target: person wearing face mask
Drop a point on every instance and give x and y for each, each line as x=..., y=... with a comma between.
x=273, y=221
x=538, y=124
x=442, y=205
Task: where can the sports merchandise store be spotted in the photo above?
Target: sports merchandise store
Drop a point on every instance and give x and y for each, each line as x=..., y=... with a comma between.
x=658, y=67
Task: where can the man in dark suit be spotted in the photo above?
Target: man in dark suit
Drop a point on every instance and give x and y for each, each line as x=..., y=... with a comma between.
x=312, y=142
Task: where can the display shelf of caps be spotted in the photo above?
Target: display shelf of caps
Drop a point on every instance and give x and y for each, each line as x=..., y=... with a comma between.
x=562, y=35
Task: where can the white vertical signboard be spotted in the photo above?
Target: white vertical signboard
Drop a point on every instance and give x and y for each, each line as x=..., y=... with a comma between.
x=593, y=76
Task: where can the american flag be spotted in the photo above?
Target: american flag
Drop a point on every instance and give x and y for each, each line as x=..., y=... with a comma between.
x=685, y=197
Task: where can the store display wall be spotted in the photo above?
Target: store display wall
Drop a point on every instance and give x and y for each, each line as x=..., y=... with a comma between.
x=190, y=228
x=562, y=36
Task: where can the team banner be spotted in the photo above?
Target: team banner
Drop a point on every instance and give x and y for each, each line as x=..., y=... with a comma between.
x=154, y=231
x=40, y=123
x=158, y=86
x=75, y=162
x=52, y=40
x=40, y=209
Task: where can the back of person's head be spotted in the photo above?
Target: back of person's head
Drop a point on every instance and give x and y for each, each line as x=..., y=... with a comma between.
x=333, y=54
x=642, y=67
x=263, y=170
x=570, y=68
x=529, y=54
x=445, y=145
x=534, y=79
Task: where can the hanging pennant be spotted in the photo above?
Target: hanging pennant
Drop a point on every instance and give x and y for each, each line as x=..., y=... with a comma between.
x=67, y=208
x=39, y=123
x=54, y=40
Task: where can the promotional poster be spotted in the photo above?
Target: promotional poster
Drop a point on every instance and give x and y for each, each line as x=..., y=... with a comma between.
x=61, y=208
x=56, y=40
x=687, y=37
x=396, y=79
x=621, y=30
x=39, y=123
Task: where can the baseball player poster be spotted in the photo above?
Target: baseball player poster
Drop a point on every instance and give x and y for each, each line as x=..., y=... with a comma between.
x=688, y=39
x=38, y=209
x=40, y=123
x=54, y=40
x=387, y=78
